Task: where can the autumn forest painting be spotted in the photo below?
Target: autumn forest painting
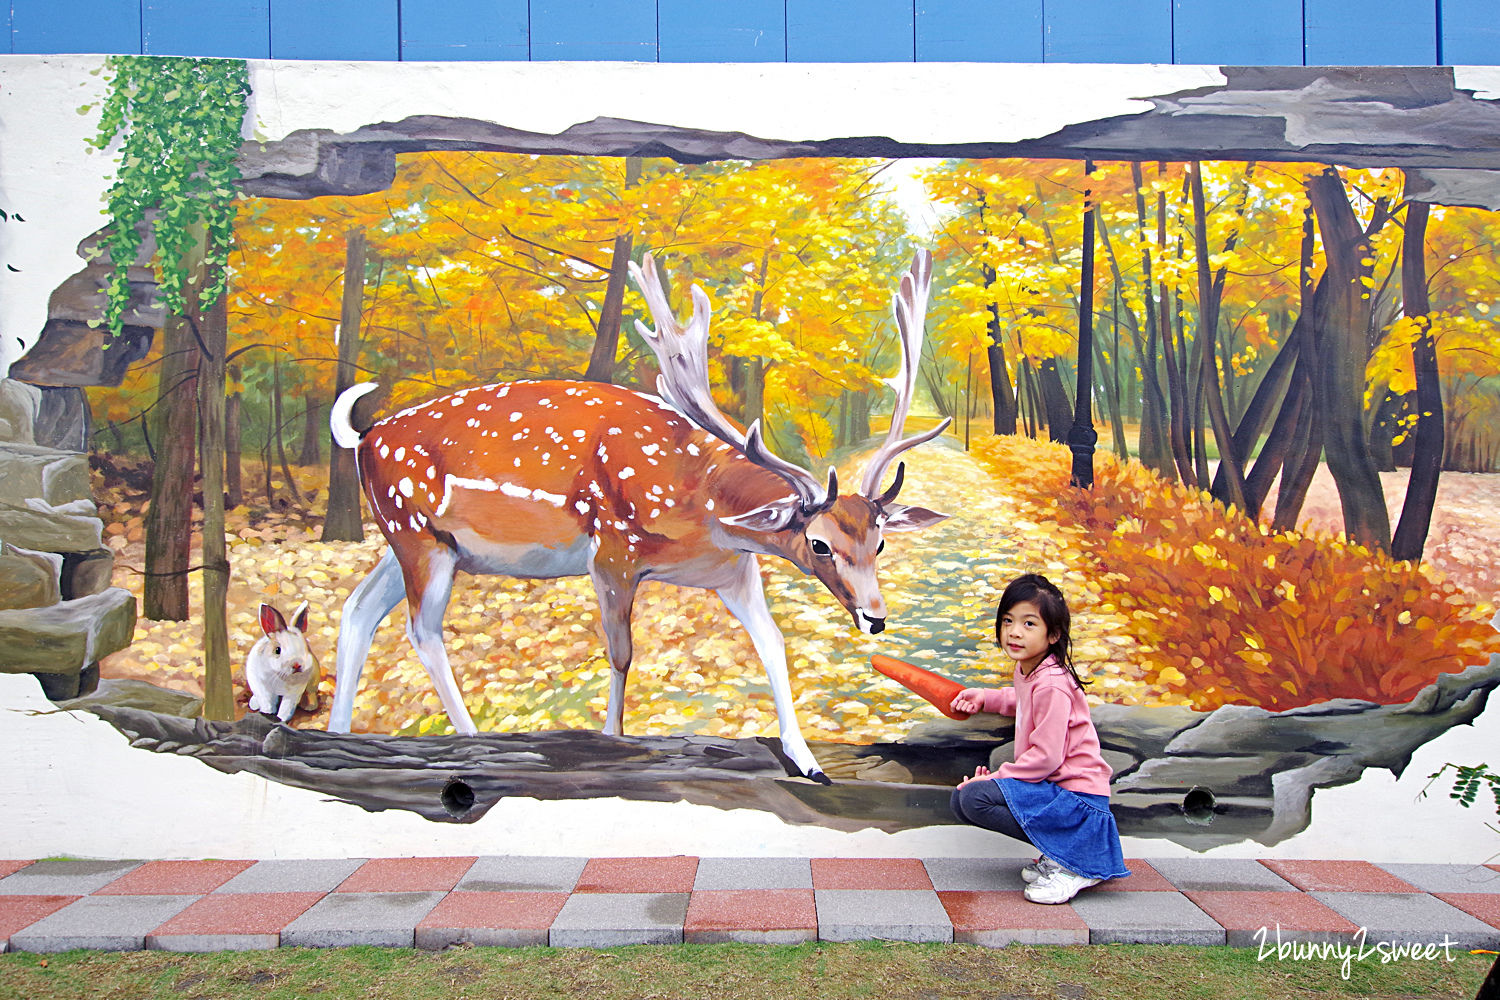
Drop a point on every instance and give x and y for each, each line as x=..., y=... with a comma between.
x=1324, y=577
x=1244, y=410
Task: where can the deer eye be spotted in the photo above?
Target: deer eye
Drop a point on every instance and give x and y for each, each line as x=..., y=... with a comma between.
x=820, y=547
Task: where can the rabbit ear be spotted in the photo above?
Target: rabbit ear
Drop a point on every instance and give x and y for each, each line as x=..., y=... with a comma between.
x=299, y=617
x=271, y=620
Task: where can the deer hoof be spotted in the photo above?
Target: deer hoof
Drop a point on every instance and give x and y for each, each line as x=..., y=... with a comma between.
x=819, y=777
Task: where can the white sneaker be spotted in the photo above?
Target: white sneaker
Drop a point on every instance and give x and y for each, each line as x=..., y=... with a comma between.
x=1058, y=887
x=1040, y=868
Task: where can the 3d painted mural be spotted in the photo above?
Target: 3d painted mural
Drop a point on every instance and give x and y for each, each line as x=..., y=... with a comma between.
x=1220, y=359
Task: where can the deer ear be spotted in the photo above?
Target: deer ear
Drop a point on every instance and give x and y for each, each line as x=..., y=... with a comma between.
x=899, y=517
x=271, y=620
x=774, y=516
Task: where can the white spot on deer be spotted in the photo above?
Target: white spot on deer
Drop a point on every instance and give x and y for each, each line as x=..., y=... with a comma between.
x=603, y=453
x=582, y=506
x=452, y=482
x=400, y=454
x=614, y=430
x=399, y=504
x=484, y=407
x=522, y=493
x=626, y=472
x=544, y=401
x=471, y=422
x=594, y=489
x=385, y=451
x=391, y=492
x=413, y=522
x=655, y=513
x=517, y=437
x=518, y=461
x=515, y=416
x=723, y=447
x=392, y=527
x=404, y=486
x=580, y=435
x=709, y=505
x=621, y=525
x=650, y=449
x=669, y=502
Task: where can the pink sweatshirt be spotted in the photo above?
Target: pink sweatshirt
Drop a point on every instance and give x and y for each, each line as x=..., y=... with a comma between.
x=1055, y=738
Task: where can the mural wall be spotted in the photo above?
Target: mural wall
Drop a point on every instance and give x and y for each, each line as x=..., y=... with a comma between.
x=1213, y=350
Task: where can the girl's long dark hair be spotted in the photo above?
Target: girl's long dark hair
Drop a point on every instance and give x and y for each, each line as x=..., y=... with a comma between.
x=1050, y=602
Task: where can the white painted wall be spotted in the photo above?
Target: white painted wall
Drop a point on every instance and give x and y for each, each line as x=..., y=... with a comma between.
x=73, y=786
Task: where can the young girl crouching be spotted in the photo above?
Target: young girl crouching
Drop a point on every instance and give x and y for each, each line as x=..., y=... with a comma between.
x=1055, y=795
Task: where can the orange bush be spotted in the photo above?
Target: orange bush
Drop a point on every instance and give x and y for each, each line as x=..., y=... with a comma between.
x=1231, y=612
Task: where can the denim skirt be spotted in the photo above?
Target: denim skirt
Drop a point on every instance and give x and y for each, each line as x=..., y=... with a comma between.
x=1074, y=829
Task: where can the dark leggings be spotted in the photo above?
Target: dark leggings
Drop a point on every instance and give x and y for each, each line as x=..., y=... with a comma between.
x=981, y=803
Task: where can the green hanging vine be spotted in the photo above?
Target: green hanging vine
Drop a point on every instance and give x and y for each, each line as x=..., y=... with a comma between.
x=179, y=124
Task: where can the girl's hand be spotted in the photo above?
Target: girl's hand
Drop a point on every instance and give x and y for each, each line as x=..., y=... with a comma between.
x=969, y=700
x=981, y=773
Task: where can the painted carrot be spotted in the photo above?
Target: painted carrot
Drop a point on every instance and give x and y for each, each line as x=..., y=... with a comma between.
x=934, y=687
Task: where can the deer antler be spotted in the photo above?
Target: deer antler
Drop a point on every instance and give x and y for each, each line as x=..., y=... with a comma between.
x=910, y=307
x=682, y=353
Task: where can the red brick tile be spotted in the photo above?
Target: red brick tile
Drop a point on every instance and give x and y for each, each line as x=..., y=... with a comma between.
x=674, y=874
x=1142, y=878
x=240, y=913
x=19, y=912
x=1243, y=912
x=407, y=875
x=174, y=878
x=999, y=918
x=1484, y=905
x=869, y=873
x=743, y=914
x=11, y=867
x=1337, y=876
x=496, y=910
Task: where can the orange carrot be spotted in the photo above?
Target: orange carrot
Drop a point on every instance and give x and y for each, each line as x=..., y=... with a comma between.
x=934, y=687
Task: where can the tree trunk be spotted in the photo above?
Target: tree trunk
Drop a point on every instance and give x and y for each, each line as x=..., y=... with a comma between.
x=313, y=430
x=1427, y=454
x=1002, y=393
x=1155, y=450
x=1382, y=430
x=1081, y=435
x=278, y=422
x=1283, y=443
x=1059, y=412
x=234, y=483
x=218, y=687
x=1342, y=318
x=343, y=522
x=169, y=523
x=755, y=368
x=607, y=341
x=1208, y=377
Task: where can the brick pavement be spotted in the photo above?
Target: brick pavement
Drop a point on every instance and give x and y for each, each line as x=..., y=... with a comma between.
x=602, y=902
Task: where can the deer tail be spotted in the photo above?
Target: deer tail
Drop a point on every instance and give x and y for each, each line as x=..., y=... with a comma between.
x=344, y=433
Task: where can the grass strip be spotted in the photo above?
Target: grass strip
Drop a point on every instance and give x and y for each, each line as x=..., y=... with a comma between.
x=884, y=970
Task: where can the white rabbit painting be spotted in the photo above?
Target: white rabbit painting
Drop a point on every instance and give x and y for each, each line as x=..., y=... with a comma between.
x=281, y=670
